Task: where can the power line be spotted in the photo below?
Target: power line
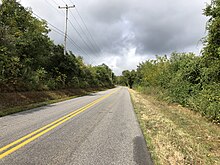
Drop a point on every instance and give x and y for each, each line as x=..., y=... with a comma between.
x=88, y=30
x=91, y=36
x=60, y=32
x=55, y=2
x=84, y=33
x=48, y=2
x=64, y=2
x=94, y=49
x=74, y=44
x=76, y=29
x=70, y=1
x=79, y=48
x=81, y=36
x=48, y=22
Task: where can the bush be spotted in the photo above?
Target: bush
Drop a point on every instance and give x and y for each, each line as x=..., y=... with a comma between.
x=207, y=101
x=182, y=79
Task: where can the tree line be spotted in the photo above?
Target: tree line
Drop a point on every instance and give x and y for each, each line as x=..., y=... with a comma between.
x=184, y=78
x=30, y=60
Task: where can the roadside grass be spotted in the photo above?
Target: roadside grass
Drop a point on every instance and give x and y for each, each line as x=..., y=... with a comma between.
x=20, y=101
x=176, y=135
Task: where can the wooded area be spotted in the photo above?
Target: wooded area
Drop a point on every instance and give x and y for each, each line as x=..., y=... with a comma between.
x=185, y=78
x=29, y=59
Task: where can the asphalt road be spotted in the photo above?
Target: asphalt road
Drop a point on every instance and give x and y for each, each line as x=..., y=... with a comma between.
x=100, y=128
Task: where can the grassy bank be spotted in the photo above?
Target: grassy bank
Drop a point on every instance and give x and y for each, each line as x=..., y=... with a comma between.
x=21, y=101
x=176, y=135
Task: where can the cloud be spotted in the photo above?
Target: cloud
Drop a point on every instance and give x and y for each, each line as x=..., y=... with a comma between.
x=149, y=27
x=157, y=27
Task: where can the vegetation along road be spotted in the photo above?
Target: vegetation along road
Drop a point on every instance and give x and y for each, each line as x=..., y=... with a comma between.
x=100, y=128
x=175, y=95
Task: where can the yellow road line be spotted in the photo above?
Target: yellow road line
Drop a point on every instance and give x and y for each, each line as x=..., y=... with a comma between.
x=32, y=136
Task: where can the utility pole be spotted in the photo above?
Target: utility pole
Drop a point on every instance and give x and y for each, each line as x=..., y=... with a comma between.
x=65, y=37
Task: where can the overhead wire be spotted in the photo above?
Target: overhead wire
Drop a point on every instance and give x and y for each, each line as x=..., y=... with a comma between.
x=97, y=50
x=58, y=31
x=91, y=36
x=93, y=46
x=47, y=22
x=54, y=30
x=56, y=2
x=76, y=45
x=81, y=37
x=64, y=2
x=48, y=2
x=89, y=43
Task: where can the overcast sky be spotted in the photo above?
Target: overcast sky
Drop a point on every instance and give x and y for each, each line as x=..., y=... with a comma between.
x=126, y=32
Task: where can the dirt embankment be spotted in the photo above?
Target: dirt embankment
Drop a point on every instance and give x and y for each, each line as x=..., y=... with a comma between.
x=18, y=101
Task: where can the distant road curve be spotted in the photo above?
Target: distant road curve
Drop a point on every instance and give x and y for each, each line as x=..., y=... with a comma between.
x=100, y=128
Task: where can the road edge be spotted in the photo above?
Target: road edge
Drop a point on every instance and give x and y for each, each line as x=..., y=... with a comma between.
x=147, y=148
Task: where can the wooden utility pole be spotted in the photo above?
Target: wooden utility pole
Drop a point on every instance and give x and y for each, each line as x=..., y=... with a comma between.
x=65, y=37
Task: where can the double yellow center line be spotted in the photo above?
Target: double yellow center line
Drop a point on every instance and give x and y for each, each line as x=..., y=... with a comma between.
x=10, y=148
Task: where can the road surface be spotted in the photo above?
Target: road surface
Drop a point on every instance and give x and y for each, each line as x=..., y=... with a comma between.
x=100, y=128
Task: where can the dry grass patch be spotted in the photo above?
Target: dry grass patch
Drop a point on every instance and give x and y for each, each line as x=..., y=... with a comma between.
x=176, y=135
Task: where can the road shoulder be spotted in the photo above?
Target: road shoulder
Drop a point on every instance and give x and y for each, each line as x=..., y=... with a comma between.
x=175, y=134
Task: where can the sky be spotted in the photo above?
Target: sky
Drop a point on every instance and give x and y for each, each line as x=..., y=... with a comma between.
x=123, y=33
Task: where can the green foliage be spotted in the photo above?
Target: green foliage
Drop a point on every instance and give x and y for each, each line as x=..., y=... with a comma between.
x=212, y=41
x=121, y=80
x=211, y=51
x=29, y=60
x=128, y=78
x=207, y=101
x=190, y=80
x=179, y=79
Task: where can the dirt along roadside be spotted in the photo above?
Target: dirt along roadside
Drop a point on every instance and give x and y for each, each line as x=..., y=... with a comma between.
x=176, y=135
x=14, y=102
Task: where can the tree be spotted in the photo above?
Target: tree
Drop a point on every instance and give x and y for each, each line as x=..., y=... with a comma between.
x=29, y=60
x=129, y=77
x=104, y=74
x=24, y=44
x=211, y=51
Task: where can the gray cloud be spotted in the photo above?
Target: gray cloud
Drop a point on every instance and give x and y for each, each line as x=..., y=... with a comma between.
x=158, y=26
x=119, y=27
